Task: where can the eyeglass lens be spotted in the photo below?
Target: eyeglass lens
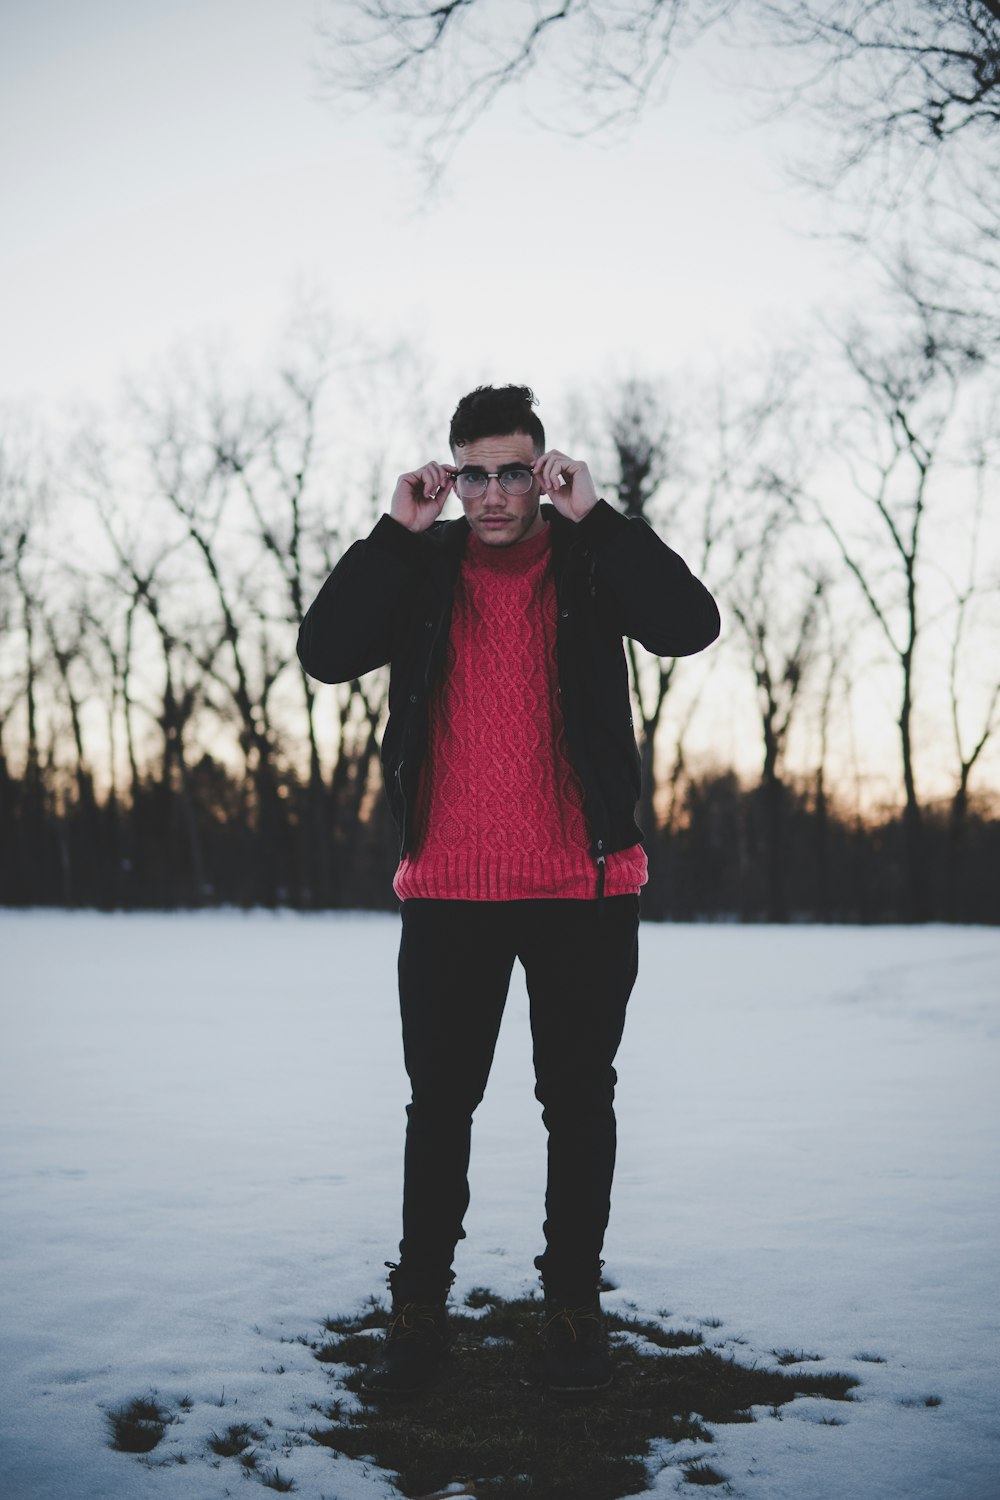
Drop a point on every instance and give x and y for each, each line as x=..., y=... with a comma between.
x=515, y=480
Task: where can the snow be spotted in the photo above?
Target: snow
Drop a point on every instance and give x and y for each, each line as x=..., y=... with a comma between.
x=202, y=1121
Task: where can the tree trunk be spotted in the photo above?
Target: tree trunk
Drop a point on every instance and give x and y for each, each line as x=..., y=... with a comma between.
x=913, y=831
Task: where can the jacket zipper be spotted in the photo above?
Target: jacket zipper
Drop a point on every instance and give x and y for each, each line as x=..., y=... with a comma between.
x=405, y=819
x=598, y=846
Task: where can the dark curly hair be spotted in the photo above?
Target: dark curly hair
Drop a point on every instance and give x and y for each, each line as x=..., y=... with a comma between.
x=496, y=411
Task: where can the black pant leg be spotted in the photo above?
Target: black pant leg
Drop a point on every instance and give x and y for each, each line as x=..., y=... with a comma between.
x=580, y=966
x=455, y=962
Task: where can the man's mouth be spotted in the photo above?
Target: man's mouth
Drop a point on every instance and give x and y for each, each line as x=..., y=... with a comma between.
x=494, y=520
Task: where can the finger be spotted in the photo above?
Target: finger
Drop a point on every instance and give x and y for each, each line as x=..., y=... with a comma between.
x=432, y=477
x=552, y=476
x=418, y=480
x=443, y=490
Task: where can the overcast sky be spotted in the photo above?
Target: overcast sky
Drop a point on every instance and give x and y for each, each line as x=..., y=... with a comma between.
x=169, y=170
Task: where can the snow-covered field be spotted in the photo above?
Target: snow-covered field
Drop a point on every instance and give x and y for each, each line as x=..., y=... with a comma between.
x=202, y=1125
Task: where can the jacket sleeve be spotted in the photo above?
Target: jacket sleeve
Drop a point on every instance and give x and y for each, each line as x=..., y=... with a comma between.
x=649, y=590
x=354, y=622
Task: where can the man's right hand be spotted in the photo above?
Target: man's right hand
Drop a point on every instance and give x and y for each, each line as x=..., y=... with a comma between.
x=419, y=496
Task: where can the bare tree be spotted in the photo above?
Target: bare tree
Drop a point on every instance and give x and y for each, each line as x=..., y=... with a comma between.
x=700, y=496
x=891, y=442
x=238, y=466
x=833, y=658
x=270, y=461
x=924, y=73
x=977, y=588
x=776, y=600
x=445, y=61
x=195, y=480
x=641, y=441
x=137, y=586
x=905, y=104
x=913, y=76
x=67, y=634
x=24, y=500
x=901, y=102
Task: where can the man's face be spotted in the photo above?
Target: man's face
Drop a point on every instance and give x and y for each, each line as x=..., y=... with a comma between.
x=499, y=519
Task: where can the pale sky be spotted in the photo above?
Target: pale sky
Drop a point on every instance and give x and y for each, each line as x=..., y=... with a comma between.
x=169, y=170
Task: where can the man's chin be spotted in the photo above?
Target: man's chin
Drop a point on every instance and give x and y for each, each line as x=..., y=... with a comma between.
x=499, y=536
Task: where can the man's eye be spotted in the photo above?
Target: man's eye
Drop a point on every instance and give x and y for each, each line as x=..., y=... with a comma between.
x=516, y=471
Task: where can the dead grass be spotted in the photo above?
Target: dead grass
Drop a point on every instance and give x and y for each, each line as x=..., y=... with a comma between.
x=488, y=1419
x=235, y=1441
x=138, y=1426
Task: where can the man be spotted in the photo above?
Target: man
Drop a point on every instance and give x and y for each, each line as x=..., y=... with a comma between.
x=512, y=772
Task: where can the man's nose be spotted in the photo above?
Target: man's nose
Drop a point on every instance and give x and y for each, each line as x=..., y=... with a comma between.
x=495, y=492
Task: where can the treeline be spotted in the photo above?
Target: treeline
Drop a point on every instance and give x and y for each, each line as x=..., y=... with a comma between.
x=209, y=847
x=160, y=744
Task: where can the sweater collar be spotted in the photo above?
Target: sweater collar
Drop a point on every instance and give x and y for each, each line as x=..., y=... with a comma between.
x=516, y=559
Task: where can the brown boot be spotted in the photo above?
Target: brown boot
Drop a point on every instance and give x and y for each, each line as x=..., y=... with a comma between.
x=416, y=1343
x=575, y=1359
x=418, y=1336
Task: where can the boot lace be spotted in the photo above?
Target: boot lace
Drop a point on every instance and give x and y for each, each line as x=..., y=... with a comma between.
x=567, y=1319
x=412, y=1317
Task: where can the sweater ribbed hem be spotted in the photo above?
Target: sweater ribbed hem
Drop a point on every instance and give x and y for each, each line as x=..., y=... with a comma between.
x=467, y=875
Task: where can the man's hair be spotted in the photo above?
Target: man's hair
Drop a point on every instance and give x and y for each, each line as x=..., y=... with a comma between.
x=496, y=411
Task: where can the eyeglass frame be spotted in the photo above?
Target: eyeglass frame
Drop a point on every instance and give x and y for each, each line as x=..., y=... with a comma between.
x=484, y=474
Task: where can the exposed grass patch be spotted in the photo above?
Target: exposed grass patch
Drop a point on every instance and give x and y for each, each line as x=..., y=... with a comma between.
x=702, y=1473
x=921, y=1401
x=234, y=1441
x=138, y=1426
x=870, y=1359
x=272, y=1480
x=480, y=1296
x=485, y=1417
x=663, y=1338
x=789, y=1357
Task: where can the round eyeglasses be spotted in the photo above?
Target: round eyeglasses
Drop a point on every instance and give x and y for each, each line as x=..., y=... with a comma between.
x=472, y=484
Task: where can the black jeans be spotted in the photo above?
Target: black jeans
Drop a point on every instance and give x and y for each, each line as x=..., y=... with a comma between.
x=455, y=961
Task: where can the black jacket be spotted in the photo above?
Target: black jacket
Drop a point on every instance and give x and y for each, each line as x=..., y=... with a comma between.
x=389, y=600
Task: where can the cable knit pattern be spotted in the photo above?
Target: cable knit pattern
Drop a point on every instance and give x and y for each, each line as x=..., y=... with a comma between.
x=500, y=808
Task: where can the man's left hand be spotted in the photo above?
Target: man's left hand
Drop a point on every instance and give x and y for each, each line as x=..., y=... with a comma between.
x=567, y=483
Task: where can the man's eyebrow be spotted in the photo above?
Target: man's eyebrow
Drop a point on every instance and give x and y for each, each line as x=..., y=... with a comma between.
x=512, y=463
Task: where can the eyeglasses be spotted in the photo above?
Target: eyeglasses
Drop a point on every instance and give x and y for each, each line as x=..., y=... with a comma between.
x=472, y=484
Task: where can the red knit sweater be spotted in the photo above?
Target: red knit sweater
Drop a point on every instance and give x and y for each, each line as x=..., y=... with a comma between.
x=500, y=807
